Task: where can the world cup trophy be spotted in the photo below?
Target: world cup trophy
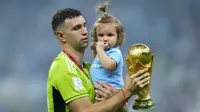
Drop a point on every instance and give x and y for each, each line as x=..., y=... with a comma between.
x=140, y=57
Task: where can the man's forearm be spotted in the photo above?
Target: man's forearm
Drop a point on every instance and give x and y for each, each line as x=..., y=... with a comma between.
x=109, y=105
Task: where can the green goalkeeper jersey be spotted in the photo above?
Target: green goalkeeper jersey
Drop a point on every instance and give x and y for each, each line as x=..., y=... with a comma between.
x=67, y=82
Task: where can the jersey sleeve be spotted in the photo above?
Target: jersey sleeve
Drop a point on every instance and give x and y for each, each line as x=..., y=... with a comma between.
x=71, y=87
x=115, y=54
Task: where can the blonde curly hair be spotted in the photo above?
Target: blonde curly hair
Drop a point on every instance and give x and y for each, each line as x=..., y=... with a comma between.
x=107, y=18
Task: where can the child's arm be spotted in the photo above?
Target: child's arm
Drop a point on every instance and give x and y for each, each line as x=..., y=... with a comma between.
x=107, y=62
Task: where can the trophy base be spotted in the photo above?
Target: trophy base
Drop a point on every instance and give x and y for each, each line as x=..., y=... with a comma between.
x=143, y=104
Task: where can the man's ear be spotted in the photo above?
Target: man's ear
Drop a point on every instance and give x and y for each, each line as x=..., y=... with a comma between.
x=60, y=35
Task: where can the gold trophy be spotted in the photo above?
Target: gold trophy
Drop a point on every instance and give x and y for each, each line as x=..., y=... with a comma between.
x=140, y=57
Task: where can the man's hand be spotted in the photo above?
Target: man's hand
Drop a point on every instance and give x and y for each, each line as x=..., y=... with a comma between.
x=111, y=99
x=136, y=81
x=93, y=46
x=104, y=91
x=132, y=85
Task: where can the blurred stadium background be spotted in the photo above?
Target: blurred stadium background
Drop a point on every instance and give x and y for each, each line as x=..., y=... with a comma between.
x=171, y=28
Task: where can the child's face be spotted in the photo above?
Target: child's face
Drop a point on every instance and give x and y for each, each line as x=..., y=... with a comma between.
x=107, y=33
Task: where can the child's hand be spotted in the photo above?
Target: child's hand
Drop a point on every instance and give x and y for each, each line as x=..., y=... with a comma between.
x=102, y=45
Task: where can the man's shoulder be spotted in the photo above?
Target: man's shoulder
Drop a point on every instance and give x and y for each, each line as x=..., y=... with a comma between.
x=58, y=61
x=62, y=64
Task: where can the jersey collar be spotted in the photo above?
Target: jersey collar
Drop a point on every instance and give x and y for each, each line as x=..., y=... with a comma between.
x=72, y=59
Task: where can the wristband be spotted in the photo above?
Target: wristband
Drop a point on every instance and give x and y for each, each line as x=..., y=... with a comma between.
x=124, y=94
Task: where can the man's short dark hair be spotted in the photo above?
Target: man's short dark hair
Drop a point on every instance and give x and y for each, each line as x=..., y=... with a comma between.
x=62, y=15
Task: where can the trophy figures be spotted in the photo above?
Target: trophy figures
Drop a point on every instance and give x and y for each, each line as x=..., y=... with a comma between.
x=140, y=57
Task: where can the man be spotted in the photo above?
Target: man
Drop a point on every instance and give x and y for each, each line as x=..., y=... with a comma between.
x=69, y=84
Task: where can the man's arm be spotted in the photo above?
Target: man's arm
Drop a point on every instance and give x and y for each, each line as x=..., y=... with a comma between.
x=105, y=91
x=84, y=104
x=140, y=79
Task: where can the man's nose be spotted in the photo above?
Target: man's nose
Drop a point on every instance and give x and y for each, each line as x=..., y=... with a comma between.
x=84, y=31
